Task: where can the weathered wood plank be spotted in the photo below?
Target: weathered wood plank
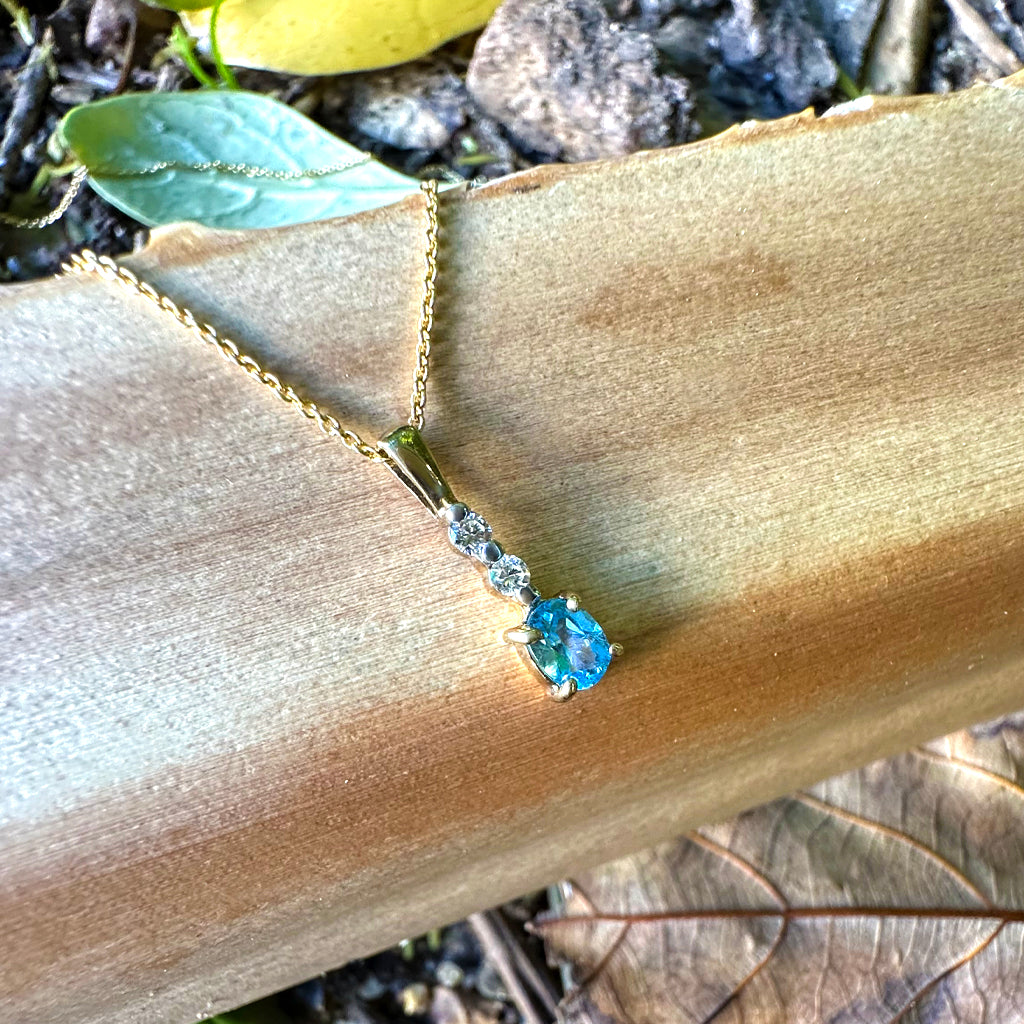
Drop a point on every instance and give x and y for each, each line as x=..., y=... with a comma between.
x=758, y=400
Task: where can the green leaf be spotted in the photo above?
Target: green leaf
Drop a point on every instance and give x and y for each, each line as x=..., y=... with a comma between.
x=143, y=153
x=181, y=5
x=265, y=1011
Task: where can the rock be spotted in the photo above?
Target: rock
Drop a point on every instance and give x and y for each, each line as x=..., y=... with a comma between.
x=489, y=983
x=1005, y=23
x=567, y=83
x=959, y=64
x=646, y=14
x=110, y=21
x=449, y=974
x=684, y=40
x=415, y=106
x=481, y=147
x=847, y=26
x=415, y=999
x=773, y=63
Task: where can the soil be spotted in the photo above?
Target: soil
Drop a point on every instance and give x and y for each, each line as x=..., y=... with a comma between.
x=445, y=977
x=547, y=80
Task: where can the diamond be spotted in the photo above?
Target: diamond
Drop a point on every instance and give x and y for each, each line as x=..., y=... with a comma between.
x=470, y=534
x=509, y=575
x=571, y=643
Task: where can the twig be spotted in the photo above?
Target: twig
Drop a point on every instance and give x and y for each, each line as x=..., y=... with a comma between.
x=978, y=31
x=30, y=94
x=898, y=47
x=537, y=980
x=498, y=947
x=99, y=78
x=129, y=52
x=556, y=901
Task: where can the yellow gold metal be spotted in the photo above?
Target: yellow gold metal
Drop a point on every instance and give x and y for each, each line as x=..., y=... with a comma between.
x=403, y=451
x=407, y=456
x=74, y=186
x=562, y=691
x=521, y=635
x=87, y=262
x=419, y=388
x=246, y=170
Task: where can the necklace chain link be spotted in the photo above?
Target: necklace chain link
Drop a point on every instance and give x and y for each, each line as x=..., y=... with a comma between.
x=74, y=186
x=245, y=170
x=418, y=401
x=87, y=262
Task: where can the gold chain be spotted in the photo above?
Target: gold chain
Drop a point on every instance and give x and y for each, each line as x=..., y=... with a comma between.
x=419, y=384
x=87, y=262
x=57, y=212
x=246, y=170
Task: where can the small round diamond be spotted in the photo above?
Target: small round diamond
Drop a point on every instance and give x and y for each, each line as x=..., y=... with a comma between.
x=469, y=534
x=509, y=575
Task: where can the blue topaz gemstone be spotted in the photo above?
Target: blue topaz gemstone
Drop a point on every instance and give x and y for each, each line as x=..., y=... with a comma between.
x=571, y=644
x=563, y=642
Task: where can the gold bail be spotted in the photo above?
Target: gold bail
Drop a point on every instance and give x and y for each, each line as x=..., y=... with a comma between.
x=407, y=456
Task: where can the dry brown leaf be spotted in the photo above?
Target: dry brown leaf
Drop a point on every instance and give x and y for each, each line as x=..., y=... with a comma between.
x=892, y=893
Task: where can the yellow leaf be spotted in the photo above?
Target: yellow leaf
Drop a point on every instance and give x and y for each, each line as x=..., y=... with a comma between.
x=309, y=37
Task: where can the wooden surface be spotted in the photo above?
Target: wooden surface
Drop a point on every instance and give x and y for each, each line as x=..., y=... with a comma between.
x=758, y=400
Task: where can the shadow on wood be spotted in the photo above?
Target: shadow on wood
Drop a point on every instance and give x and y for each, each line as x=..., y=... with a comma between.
x=758, y=400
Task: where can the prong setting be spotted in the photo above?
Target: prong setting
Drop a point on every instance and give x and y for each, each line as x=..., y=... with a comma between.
x=522, y=635
x=490, y=552
x=454, y=513
x=564, y=690
x=561, y=642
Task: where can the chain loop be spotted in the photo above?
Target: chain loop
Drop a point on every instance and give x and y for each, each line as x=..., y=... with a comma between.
x=87, y=262
x=74, y=186
x=419, y=387
x=246, y=170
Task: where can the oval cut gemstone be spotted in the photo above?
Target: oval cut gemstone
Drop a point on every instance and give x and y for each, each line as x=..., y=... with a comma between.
x=571, y=643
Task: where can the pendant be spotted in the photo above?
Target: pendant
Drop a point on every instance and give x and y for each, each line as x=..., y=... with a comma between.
x=561, y=642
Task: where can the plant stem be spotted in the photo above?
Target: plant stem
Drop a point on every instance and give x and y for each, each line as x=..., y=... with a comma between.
x=181, y=43
x=847, y=86
x=22, y=21
x=227, y=76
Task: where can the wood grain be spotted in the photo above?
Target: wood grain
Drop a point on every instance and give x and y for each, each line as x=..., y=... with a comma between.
x=757, y=399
